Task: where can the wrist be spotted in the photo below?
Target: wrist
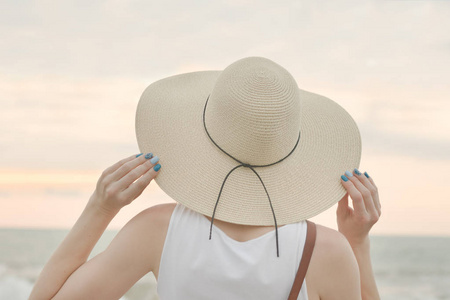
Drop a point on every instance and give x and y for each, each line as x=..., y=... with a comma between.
x=362, y=245
x=97, y=209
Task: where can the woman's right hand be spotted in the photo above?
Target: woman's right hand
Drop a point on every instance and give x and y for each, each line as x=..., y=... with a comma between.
x=116, y=186
x=355, y=223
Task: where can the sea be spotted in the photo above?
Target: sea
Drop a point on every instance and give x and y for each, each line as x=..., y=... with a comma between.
x=405, y=267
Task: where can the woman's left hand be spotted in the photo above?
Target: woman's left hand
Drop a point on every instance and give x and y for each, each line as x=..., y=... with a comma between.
x=356, y=223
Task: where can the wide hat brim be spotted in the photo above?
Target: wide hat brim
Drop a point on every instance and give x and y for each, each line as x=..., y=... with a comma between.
x=169, y=124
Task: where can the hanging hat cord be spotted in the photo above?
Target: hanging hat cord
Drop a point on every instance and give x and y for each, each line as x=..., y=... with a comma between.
x=251, y=167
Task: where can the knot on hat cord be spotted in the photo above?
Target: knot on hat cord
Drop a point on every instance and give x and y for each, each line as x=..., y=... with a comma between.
x=251, y=167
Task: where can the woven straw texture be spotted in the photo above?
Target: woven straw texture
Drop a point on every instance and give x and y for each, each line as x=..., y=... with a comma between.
x=255, y=112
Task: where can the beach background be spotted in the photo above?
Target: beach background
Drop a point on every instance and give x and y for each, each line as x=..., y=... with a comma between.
x=405, y=267
x=72, y=73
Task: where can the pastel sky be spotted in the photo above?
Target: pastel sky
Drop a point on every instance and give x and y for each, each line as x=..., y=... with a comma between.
x=72, y=72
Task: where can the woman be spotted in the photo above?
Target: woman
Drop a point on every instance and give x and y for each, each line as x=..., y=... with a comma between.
x=291, y=146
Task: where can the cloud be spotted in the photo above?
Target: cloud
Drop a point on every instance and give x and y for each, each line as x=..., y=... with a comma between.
x=65, y=123
x=64, y=193
x=376, y=140
x=73, y=71
x=4, y=194
x=135, y=39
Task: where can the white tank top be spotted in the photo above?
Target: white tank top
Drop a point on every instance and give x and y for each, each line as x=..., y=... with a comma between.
x=192, y=267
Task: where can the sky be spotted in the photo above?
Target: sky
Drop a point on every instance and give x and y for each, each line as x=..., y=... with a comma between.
x=72, y=73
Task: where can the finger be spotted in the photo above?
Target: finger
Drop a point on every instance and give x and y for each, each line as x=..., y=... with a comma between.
x=363, y=178
x=117, y=165
x=134, y=174
x=101, y=182
x=369, y=184
x=365, y=192
x=127, y=167
x=357, y=198
x=377, y=198
x=343, y=207
x=370, y=179
x=136, y=188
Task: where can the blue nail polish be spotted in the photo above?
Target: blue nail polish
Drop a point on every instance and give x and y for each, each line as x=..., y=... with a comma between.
x=357, y=171
x=367, y=175
x=154, y=159
x=139, y=155
x=157, y=167
x=344, y=178
x=148, y=155
x=348, y=174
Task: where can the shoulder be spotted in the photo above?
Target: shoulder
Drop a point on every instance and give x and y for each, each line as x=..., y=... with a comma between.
x=333, y=261
x=159, y=213
x=151, y=225
x=330, y=247
x=331, y=241
x=155, y=219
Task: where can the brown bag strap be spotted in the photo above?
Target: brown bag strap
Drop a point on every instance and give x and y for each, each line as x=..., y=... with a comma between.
x=304, y=262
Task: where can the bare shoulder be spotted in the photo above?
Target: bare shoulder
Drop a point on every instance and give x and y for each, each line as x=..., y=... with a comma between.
x=158, y=213
x=156, y=219
x=152, y=224
x=331, y=241
x=153, y=221
x=333, y=248
x=333, y=262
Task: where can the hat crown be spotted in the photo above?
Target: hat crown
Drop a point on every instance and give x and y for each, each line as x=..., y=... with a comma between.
x=253, y=111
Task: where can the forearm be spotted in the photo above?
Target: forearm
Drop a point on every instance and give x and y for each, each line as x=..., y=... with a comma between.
x=369, y=289
x=72, y=252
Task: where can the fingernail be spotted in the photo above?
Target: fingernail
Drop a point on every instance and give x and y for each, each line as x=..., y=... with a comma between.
x=348, y=174
x=157, y=167
x=344, y=178
x=139, y=155
x=357, y=171
x=367, y=175
x=148, y=155
x=154, y=159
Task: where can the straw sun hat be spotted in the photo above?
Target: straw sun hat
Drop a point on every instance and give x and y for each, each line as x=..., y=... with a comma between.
x=204, y=124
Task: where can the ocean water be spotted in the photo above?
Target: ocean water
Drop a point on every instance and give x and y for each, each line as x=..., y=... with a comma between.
x=406, y=267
